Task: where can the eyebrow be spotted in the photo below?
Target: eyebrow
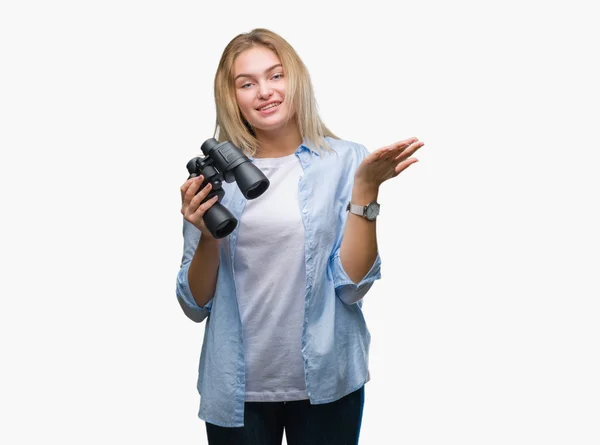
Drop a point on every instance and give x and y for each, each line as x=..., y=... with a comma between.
x=266, y=71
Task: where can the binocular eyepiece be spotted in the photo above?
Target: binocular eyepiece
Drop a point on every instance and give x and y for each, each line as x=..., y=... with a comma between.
x=225, y=162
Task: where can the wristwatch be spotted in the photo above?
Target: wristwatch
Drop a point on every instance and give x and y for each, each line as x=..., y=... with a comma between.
x=370, y=211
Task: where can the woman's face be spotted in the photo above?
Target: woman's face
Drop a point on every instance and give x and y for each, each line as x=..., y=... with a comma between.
x=260, y=88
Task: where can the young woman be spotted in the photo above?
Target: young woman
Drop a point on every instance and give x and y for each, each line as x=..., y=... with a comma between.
x=285, y=344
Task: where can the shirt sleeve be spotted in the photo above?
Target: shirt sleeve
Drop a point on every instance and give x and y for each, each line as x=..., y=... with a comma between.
x=348, y=291
x=191, y=238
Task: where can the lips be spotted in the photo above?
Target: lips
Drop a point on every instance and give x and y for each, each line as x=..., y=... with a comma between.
x=269, y=106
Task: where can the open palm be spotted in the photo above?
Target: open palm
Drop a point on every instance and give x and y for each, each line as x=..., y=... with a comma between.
x=387, y=162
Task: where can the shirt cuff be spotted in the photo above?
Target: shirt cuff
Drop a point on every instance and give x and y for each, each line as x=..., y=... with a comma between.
x=184, y=295
x=348, y=291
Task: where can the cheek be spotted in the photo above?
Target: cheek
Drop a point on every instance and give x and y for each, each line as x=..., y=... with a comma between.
x=288, y=109
x=281, y=92
x=282, y=89
x=243, y=103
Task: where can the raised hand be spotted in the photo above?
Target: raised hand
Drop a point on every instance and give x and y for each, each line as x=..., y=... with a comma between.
x=386, y=163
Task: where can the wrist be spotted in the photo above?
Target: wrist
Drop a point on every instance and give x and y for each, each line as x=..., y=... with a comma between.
x=208, y=239
x=363, y=193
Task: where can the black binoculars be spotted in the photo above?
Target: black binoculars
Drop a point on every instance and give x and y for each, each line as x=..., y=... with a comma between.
x=225, y=162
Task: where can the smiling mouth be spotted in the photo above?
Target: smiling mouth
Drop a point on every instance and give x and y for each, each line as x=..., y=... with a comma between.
x=268, y=107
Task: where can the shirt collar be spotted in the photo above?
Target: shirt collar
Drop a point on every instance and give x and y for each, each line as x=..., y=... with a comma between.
x=305, y=146
x=302, y=148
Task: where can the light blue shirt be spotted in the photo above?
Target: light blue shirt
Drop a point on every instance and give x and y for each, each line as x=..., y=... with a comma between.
x=335, y=337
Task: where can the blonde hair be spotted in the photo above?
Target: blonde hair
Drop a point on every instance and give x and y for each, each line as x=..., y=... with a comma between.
x=231, y=124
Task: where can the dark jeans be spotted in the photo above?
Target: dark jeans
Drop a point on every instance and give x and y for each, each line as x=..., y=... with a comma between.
x=335, y=423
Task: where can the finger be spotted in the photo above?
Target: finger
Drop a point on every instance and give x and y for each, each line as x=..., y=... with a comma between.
x=202, y=209
x=188, y=209
x=189, y=183
x=384, y=152
x=402, y=144
x=188, y=197
x=192, y=190
x=380, y=153
x=396, y=149
x=404, y=165
x=392, y=153
x=409, y=151
x=198, y=198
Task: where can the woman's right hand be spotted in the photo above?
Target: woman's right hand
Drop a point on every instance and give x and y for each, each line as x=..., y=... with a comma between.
x=191, y=209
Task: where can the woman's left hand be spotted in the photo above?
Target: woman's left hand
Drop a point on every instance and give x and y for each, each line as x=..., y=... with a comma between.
x=386, y=162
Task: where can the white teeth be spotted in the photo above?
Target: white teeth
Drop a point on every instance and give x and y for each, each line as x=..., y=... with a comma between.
x=269, y=106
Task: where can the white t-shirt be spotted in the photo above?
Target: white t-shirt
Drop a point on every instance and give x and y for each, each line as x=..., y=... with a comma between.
x=270, y=280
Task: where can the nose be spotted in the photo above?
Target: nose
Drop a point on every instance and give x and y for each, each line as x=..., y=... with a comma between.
x=265, y=92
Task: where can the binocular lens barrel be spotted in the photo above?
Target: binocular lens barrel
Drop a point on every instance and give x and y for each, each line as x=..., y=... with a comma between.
x=219, y=221
x=251, y=181
x=256, y=190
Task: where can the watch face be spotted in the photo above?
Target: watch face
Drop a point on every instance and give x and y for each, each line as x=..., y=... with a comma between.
x=372, y=211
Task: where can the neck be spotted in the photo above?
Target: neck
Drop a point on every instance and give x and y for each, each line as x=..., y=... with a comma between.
x=278, y=143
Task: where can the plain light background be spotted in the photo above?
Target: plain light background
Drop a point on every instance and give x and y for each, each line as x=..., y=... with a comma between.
x=485, y=322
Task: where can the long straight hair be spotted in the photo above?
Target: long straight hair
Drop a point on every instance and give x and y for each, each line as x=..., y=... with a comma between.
x=231, y=124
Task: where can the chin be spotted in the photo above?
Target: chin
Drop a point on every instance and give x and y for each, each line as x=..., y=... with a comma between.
x=270, y=127
x=280, y=123
x=275, y=124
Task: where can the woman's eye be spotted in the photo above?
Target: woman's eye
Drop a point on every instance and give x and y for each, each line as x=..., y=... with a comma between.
x=246, y=85
x=277, y=76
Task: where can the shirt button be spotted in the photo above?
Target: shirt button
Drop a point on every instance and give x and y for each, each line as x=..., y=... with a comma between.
x=304, y=211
